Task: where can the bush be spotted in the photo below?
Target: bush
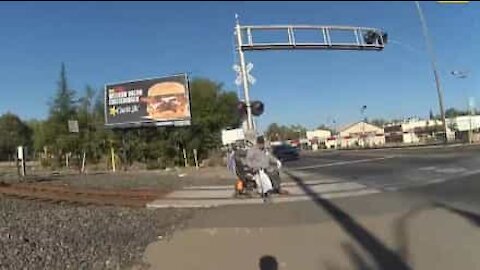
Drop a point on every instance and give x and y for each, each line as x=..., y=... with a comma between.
x=45, y=162
x=156, y=164
x=216, y=158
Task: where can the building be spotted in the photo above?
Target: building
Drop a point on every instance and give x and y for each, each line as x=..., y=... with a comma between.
x=317, y=138
x=359, y=134
x=465, y=126
x=415, y=130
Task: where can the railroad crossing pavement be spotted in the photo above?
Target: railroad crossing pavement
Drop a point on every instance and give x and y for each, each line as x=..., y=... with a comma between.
x=212, y=196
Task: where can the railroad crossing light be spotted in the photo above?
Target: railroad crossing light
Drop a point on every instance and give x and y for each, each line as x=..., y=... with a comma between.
x=373, y=37
x=257, y=108
x=242, y=109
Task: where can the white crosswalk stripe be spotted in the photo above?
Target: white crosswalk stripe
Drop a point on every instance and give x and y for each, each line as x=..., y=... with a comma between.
x=211, y=196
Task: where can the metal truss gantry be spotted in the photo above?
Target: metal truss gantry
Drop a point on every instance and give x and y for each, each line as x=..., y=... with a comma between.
x=320, y=38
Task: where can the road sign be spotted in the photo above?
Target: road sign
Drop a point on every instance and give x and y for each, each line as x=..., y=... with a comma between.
x=73, y=126
x=238, y=70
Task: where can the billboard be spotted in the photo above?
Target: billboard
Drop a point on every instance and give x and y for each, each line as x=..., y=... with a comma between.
x=161, y=101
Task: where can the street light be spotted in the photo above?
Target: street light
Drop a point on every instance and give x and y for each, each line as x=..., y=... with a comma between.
x=362, y=110
x=434, y=67
x=463, y=75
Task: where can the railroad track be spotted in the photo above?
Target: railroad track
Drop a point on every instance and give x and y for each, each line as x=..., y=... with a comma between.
x=83, y=196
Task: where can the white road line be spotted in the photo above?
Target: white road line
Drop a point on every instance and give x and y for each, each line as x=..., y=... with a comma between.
x=340, y=163
x=293, y=190
x=400, y=186
x=284, y=184
x=207, y=203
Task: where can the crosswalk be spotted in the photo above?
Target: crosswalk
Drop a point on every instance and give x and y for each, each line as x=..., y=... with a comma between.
x=321, y=186
x=213, y=196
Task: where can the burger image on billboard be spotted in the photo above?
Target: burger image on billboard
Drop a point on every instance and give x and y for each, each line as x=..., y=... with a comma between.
x=166, y=101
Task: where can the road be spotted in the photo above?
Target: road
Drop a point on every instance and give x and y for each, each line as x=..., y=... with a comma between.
x=423, y=213
x=447, y=174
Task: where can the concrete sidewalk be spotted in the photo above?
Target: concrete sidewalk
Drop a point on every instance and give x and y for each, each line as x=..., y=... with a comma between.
x=422, y=238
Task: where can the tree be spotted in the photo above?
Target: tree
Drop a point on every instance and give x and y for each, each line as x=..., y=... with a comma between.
x=274, y=132
x=431, y=115
x=62, y=108
x=13, y=132
x=378, y=122
x=325, y=127
x=213, y=109
x=38, y=134
x=277, y=132
x=452, y=112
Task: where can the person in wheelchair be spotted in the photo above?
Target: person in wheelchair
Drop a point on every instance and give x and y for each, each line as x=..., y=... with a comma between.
x=259, y=158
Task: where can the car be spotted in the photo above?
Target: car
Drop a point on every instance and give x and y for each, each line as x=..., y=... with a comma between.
x=285, y=152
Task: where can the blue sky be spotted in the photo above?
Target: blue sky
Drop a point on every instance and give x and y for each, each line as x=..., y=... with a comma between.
x=117, y=41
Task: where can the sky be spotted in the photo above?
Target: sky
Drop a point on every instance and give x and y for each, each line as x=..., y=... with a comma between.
x=104, y=42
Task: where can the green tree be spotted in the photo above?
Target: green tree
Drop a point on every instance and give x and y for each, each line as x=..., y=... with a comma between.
x=13, y=132
x=276, y=132
x=213, y=109
x=379, y=122
x=62, y=108
x=452, y=112
x=39, y=139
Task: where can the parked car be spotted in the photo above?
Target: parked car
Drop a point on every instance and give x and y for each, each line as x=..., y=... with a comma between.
x=285, y=152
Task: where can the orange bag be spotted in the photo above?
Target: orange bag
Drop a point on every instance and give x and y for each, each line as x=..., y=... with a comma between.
x=239, y=185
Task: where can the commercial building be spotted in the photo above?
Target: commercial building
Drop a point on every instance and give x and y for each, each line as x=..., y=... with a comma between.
x=317, y=138
x=414, y=130
x=359, y=134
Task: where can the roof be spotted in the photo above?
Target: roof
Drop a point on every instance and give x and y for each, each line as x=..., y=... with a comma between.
x=346, y=128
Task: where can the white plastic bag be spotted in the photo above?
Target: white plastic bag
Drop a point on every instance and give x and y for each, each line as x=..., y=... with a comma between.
x=264, y=184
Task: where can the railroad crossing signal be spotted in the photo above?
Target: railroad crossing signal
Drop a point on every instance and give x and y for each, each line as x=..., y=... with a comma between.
x=238, y=70
x=361, y=39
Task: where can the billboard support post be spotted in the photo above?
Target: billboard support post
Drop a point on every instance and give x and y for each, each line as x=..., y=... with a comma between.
x=195, y=157
x=112, y=152
x=185, y=157
x=124, y=150
x=21, y=164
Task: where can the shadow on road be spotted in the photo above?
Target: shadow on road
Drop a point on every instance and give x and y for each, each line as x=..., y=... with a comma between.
x=383, y=257
x=268, y=262
x=471, y=217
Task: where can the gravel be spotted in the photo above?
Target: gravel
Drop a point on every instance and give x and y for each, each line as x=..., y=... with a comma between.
x=40, y=235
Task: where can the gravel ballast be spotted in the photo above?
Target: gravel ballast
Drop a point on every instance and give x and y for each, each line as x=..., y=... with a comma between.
x=41, y=235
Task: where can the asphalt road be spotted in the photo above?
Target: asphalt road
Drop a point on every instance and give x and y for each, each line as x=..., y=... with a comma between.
x=406, y=178
x=446, y=173
x=425, y=215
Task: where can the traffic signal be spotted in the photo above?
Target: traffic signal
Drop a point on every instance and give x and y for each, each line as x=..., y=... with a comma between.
x=373, y=37
x=257, y=108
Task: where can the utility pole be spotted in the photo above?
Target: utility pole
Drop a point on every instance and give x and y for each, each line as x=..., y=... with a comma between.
x=362, y=110
x=434, y=67
x=463, y=75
